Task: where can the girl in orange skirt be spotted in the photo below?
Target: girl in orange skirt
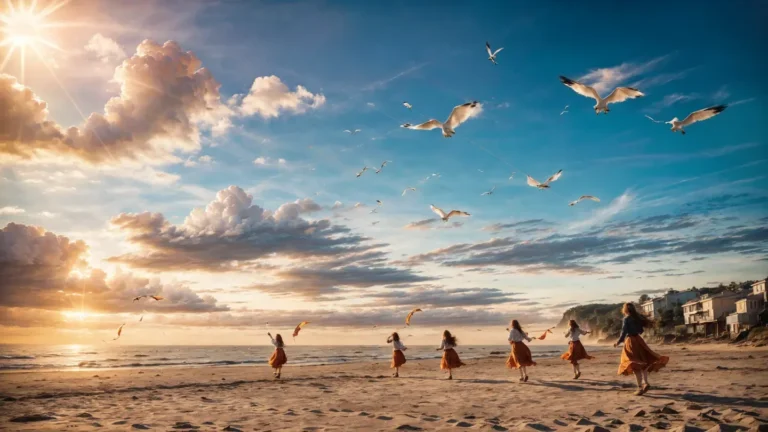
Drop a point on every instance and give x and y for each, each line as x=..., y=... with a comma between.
x=576, y=350
x=520, y=355
x=398, y=358
x=278, y=358
x=450, y=359
x=637, y=357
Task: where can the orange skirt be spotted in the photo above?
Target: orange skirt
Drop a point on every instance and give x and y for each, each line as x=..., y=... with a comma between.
x=450, y=360
x=575, y=353
x=398, y=359
x=636, y=355
x=278, y=358
x=520, y=355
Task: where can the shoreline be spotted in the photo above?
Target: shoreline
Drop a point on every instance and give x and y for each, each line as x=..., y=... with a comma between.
x=733, y=382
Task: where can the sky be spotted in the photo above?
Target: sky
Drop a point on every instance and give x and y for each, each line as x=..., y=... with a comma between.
x=197, y=151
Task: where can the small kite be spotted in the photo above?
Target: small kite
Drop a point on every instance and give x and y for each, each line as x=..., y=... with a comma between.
x=544, y=335
x=410, y=314
x=299, y=327
x=119, y=332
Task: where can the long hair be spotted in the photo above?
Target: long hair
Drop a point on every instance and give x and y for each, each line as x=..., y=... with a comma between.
x=516, y=325
x=279, y=340
x=572, y=324
x=630, y=311
x=449, y=338
x=393, y=337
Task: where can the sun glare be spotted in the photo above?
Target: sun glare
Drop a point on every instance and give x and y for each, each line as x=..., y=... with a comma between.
x=23, y=27
x=75, y=315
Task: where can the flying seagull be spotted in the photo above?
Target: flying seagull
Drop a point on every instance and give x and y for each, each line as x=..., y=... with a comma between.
x=490, y=192
x=511, y=176
x=383, y=164
x=408, y=189
x=545, y=185
x=480, y=171
x=379, y=202
x=357, y=205
x=565, y=110
x=492, y=54
x=353, y=132
x=445, y=216
x=585, y=197
x=620, y=94
x=407, y=105
x=374, y=222
x=696, y=116
x=459, y=115
x=361, y=172
x=375, y=210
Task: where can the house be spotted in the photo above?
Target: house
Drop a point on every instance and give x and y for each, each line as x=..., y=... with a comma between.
x=707, y=314
x=654, y=307
x=748, y=310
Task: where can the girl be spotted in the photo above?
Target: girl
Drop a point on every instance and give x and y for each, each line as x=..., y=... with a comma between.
x=398, y=358
x=520, y=355
x=450, y=359
x=576, y=350
x=278, y=358
x=636, y=357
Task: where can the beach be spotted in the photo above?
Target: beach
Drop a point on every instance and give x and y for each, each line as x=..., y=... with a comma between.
x=702, y=387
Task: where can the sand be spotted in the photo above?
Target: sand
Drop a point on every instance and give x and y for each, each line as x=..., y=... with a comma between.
x=703, y=387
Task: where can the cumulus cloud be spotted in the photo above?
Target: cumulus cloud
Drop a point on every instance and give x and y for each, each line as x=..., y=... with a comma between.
x=104, y=48
x=11, y=210
x=269, y=97
x=202, y=160
x=438, y=297
x=604, y=214
x=420, y=225
x=263, y=161
x=606, y=79
x=36, y=269
x=528, y=225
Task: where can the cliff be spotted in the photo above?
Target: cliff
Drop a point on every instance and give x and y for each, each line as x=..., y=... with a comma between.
x=604, y=320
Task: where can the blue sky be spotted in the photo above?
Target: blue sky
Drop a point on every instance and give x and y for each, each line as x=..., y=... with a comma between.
x=675, y=210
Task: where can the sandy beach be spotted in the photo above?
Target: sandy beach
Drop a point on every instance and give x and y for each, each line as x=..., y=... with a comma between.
x=704, y=387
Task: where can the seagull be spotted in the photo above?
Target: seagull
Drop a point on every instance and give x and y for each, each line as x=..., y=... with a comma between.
x=620, y=94
x=696, y=116
x=407, y=105
x=445, y=216
x=361, y=172
x=565, y=110
x=545, y=185
x=374, y=211
x=511, y=176
x=490, y=192
x=374, y=222
x=492, y=54
x=459, y=115
x=357, y=205
x=409, y=189
x=480, y=171
x=383, y=164
x=353, y=132
x=585, y=197
x=379, y=202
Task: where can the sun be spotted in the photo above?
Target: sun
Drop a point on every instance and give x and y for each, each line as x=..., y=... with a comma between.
x=75, y=315
x=23, y=27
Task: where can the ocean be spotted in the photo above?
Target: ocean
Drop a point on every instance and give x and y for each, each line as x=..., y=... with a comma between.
x=104, y=356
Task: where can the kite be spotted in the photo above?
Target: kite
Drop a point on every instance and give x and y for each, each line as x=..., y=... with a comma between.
x=410, y=314
x=157, y=298
x=544, y=335
x=299, y=327
x=119, y=332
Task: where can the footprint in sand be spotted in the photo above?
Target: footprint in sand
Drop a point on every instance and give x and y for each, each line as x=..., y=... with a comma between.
x=140, y=426
x=383, y=418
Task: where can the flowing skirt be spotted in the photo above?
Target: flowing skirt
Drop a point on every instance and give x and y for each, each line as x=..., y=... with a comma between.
x=278, y=358
x=398, y=359
x=575, y=353
x=636, y=355
x=520, y=355
x=450, y=360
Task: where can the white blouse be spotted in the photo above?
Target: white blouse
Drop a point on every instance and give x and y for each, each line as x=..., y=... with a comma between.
x=516, y=335
x=274, y=342
x=574, y=334
x=397, y=345
x=445, y=346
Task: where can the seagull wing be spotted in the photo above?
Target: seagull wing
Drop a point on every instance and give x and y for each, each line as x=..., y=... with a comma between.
x=532, y=182
x=439, y=211
x=589, y=197
x=620, y=94
x=488, y=48
x=357, y=130
x=456, y=213
x=428, y=125
x=460, y=114
x=347, y=131
x=554, y=177
x=580, y=88
x=704, y=114
x=497, y=51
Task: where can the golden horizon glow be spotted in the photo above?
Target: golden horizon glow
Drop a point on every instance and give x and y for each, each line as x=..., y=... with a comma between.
x=76, y=315
x=24, y=28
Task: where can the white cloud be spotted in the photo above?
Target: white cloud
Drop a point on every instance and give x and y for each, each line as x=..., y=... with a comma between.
x=670, y=100
x=721, y=94
x=604, y=214
x=106, y=49
x=269, y=97
x=337, y=205
x=266, y=161
x=11, y=210
x=202, y=160
x=606, y=79
x=371, y=104
x=49, y=215
x=55, y=189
